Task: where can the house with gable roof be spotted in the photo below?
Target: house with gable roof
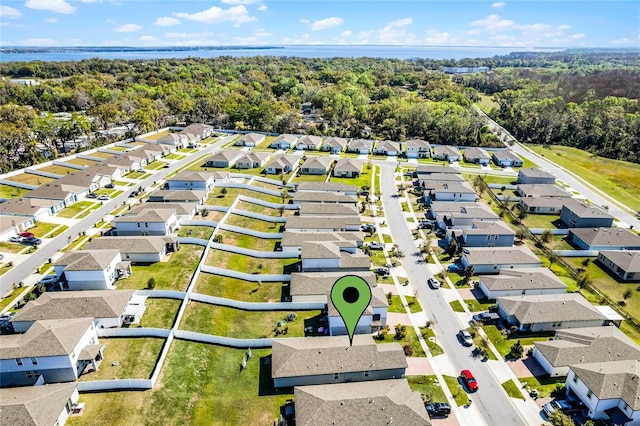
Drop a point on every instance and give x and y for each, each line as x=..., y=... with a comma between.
x=150, y=220
x=91, y=269
x=624, y=263
x=361, y=146
x=309, y=143
x=191, y=179
x=284, y=141
x=491, y=260
x=446, y=152
x=38, y=405
x=477, y=156
x=137, y=249
x=506, y=158
x=250, y=139
x=528, y=175
x=252, y=160
x=518, y=282
x=388, y=148
x=604, y=239
x=223, y=159
x=417, y=148
x=334, y=144
x=583, y=215
x=316, y=166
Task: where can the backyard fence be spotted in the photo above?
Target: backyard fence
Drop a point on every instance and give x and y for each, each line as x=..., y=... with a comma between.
x=224, y=341
x=116, y=384
x=244, y=276
x=133, y=332
x=266, y=203
x=256, y=306
x=263, y=217
x=195, y=241
x=162, y=294
x=255, y=253
x=258, y=234
x=42, y=173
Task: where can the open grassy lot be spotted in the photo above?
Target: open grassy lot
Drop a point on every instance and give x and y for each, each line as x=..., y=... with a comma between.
x=246, y=291
x=156, y=136
x=218, y=198
x=544, y=384
x=267, y=211
x=265, y=143
x=97, y=154
x=309, y=178
x=250, y=265
x=160, y=313
x=479, y=305
x=512, y=389
x=81, y=161
x=10, y=247
x=428, y=386
x=203, y=232
x=30, y=179
x=456, y=389
x=247, y=241
x=135, y=357
x=486, y=102
x=503, y=343
x=117, y=148
x=75, y=209
x=156, y=165
x=273, y=187
x=174, y=274
x=619, y=179
x=8, y=191
x=547, y=221
x=255, y=224
x=138, y=175
x=410, y=339
x=59, y=170
x=363, y=180
x=396, y=304
x=236, y=323
x=43, y=228
x=214, y=216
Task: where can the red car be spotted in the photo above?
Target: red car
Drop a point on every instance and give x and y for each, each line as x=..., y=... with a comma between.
x=469, y=380
x=26, y=235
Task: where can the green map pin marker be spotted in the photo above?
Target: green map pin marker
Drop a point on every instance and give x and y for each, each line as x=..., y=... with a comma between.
x=351, y=296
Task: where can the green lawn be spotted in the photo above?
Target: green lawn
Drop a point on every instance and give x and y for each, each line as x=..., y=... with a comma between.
x=547, y=221
x=30, y=179
x=377, y=257
x=81, y=161
x=157, y=136
x=429, y=338
x=254, y=224
x=247, y=241
x=456, y=389
x=4, y=268
x=251, y=265
x=396, y=304
x=10, y=297
x=479, y=305
x=512, y=389
x=503, y=343
x=156, y=165
x=203, y=232
x=136, y=358
x=217, y=198
x=428, y=386
x=174, y=274
x=257, y=208
x=59, y=170
x=239, y=324
x=138, y=175
x=310, y=178
x=11, y=247
x=97, y=154
x=619, y=179
x=43, y=228
x=363, y=180
x=410, y=339
x=246, y=291
x=456, y=306
x=544, y=384
x=8, y=191
x=174, y=156
x=160, y=313
x=75, y=209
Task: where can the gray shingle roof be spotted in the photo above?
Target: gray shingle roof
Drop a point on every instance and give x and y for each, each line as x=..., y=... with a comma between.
x=334, y=142
x=557, y=202
x=227, y=155
x=426, y=169
x=251, y=137
x=327, y=197
x=550, y=308
x=358, y=144
x=374, y=403
x=417, y=143
x=321, y=222
x=87, y=260
x=613, y=379
x=524, y=278
x=293, y=238
x=150, y=244
x=328, y=209
x=310, y=356
x=607, y=236
x=326, y=187
x=34, y=405
x=506, y=155
x=446, y=150
x=178, y=195
x=19, y=206
x=451, y=186
x=348, y=165
x=357, y=260
x=150, y=213
x=489, y=228
x=192, y=175
x=317, y=283
x=627, y=260
x=541, y=190
x=76, y=304
x=317, y=163
x=179, y=208
x=535, y=172
x=319, y=250
x=500, y=255
x=45, y=338
x=585, y=210
x=474, y=153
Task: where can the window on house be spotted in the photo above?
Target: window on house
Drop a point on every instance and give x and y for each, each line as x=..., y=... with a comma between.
x=29, y=374
x=336, y=376
x=366, y=374
x=19, y=361
x=146, y=225
x=575, y=378
x=138, y=224
x=34, y=361
x=589, y=394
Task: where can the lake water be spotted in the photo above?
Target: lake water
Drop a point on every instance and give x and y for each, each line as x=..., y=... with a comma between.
x=396, y=52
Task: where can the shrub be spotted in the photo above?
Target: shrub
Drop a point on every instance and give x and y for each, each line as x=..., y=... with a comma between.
x=151, y=283
x=408, y=350
x=517, y=350
x=401, y=332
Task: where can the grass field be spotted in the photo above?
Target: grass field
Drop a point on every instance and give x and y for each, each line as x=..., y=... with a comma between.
x=246, y=291
x=138, y=175
x=156, y=136
x=30, y=179
x=251, y=265
x=203, y=232
x=239, y=324
x=160, y=313
x=247, y=241
x=156, y=165
x=81, y=161
x=43, y=228
x=486, y=102
x=410, y=339
x=396, y=304
x=544, y=385
x=254, y=224
x=8, y=191
x=456, y=389
x=257, y=208
x=503, y=343
x=512, y=389
x=428, y=386
x=59, y=170
x=310, y=178
x=77, y=208
x=619, y=179
x=100, y=155
x=10, y=247
x=477, y=305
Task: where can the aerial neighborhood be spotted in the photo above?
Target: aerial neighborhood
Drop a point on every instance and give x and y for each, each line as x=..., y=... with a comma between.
x=124, y=265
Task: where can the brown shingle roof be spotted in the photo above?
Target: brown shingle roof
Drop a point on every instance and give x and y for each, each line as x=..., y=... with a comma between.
x=627, y=260
x=150, y=244
x=87, y=260
x=34, y=405
x=615, y=236
x=550, y=308
x=45, y=338
x=613, y=379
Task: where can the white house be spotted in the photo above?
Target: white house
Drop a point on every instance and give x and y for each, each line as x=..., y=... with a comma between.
x=137, y=249
x=516, y=282
x=491, y=260
x=34, y=208
x=387, y=148
x=476, y=155
x=38, y=405
x=334, y=144
x=91, y=269
x=446, y=152
x=292, y=240
x=309, y=143
x=199, y=130
x=250, y=139
x=450, y=191
x=252, y=160
x=332, y=256
x=284, y=141
x=174, y=139
x=149, y=221
x=223, y=159
x=624, y=263
x=192, y=179
x=283, y=164
x=417, y=148
x=535, y=175
x=348, y=167
x=58, y=350
x=322, y=223
x=361, y=146
x=10, y=226
x=506, y=158
x=316, y=166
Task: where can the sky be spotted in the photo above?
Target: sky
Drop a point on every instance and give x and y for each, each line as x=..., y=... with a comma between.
x=550, y=23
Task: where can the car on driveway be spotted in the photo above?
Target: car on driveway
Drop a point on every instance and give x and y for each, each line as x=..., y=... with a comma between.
x=109, y=186
x=92, y=195
x=487, y=318
x=562, y=405
x=468, y=380
x=374, y=245
x=49, y=279
x=465, y=337
x=434, y=282
x=438, y=409
x=381, y=271
x=133, y=194
x=368, y=228
x=454, y=267
x=26, y=235
x=103, y=197
x=32, y=241
x=15, y=239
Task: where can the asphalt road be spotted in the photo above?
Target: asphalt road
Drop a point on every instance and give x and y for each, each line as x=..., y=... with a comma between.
x=490, y=399
x=23, y=269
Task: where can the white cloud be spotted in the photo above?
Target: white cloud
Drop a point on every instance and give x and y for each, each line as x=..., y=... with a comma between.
x=58, y=6
x=326, y=23
x=239, y=1
x=440, y=38
x=345, y=33
x=179, y=35
x=128, y=28
x=498, y=4
x=563, y=27
x=237, y=14
x=51, y=20
x=494, y=23
x=577, y=36
x=149, y=38
x=400, y=22
x=89, y=1
x=166, y=21
x=9, y=12
x=262, y=8
x=110, y=21
x=305, y=21
x=394, y=33
x=38, y=42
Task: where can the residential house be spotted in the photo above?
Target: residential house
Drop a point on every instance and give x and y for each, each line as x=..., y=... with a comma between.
x=372, y=320
x=387, y=148
x=545, y=205
x=446, y=152
x=380, y=402
x=530, y=175
x=432, y=181
x=108, y=308
x=313, y=287
x=284, y=141
x=292, y=240
x=38, y=405
x=192, y=180
x=177, y=196
x=494, y=259
x=316, y=166
x=506, y=158
x=128, y=163
x=34, y=208
x=584, y=346
x=461, y=214
x=223, y=159
x=173, y=139
x=323, y=197
x=184, y=211
x=250, y=139
x=64, y=195
x=334, y=144
x=328, y=209
x=450, y=191
x=137, y=249
x=283, y=164
x=604, y=239
x=624, y=263
x=148, y=221
x=145, y=156
x=521, y=282
x=360, y=146
x=10, y=226
x=548, y=312
x=487, y=234
x=327, y=256
x=417, y=148
x=348, y=167
x=477, y=156
x=428, y=169
x=540, y=190
x=220, y=176
x=252, y=160
x=199, y=130
x=322, y=223
x=609, y=390
x=322, y=360
x=91, y=269
x=583, y=215
x=57, y=350
x=334, y=187
x=309, y=143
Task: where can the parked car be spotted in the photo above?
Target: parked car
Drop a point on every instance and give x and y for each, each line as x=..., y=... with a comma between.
x=487, y=318
x=434, y=282
x=454, y=267
x=133, y=194
x=381, y=271
x=109, y=186
x=465, y=337
x=26, y=234
x=438, y=409
x=92, y=195
x=32, y=241
x=15, y=239
x=103, y=197
x=49, y=279
x=374, y=245
x=368, y=228
x=469, y=381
